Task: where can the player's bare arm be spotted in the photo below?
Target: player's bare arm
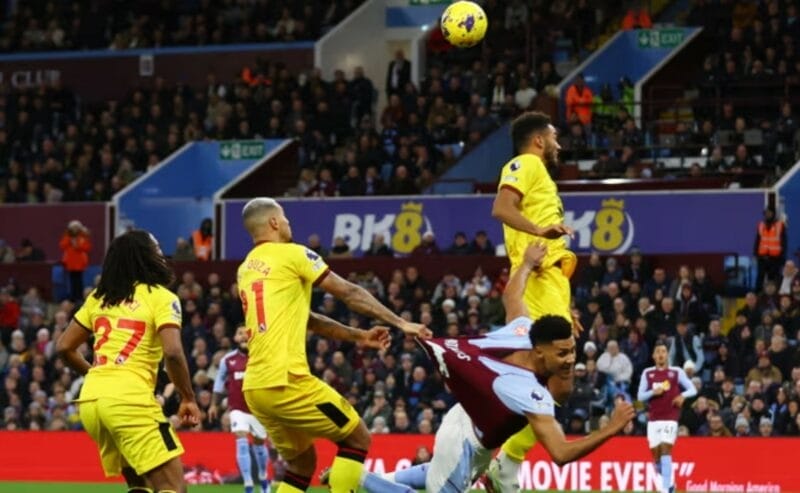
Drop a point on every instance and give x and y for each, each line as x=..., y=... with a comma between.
x=360, y=300
x=551, y=436
x=178, y=371
x=68, y=344
x=513, y=296
x=506, y=208
x=377, y=337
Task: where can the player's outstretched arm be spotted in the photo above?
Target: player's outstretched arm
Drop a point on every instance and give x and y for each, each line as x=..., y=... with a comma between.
x=178, y=371
x=550, y=434
x=377, y=337
x=514, y=294
x=68, y=344
x=359, y=300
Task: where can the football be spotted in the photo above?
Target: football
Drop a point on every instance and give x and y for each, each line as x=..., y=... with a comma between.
x=464, y=24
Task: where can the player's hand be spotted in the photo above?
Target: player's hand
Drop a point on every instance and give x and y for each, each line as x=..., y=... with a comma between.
x=416, y=330
x=377, y=337
x=189, y=413
x=678, y=400
x=213, y=413
x=623, y=413
x=658, y=390
x=555, y=231
x=534, y=255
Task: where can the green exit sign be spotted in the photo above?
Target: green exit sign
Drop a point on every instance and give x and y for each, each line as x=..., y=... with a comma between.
x=660, y=38
x=241, y=149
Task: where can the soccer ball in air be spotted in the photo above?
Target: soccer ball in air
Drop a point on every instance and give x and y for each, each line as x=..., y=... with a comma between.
x=464, y=24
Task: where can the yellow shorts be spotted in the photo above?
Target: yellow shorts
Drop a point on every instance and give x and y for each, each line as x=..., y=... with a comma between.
x=132, y=433
x=305, y=409
x=548, y=293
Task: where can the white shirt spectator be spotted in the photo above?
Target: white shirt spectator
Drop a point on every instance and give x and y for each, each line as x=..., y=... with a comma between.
x=615, y=364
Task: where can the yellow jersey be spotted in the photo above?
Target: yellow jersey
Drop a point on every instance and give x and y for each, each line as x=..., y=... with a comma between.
x=527, y=176
x=275, y=281
x=127, y=347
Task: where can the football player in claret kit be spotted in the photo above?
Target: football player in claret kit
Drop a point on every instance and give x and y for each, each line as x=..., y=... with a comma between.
x=503, y=382
x=229, y=380
x=135, y=321
x=660, y=386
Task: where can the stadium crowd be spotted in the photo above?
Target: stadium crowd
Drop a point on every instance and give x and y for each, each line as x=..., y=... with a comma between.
x=747, y=370
x=46, y=25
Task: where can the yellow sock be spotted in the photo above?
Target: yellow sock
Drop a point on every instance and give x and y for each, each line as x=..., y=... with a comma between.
x=518, y=445
x=346, y=470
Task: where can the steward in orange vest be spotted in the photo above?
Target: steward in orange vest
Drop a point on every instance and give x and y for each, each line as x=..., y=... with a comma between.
x=769, y=248
x=203, y=241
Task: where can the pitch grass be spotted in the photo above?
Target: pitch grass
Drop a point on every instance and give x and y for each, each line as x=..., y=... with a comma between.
x=120, y=488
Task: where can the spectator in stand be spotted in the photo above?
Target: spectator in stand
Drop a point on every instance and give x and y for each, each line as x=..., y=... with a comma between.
x=75, y=245
x=402, y=183
x=315, y=245
x=481, y=245
x=686, y=346
x=770, y=247
x=340, y=248
x=579, y=101
x=6, y=253
x=203, y=241
x=183, y=251
x=619, y=369
x=378, y=247
x=427, y=247
x=398, y=74
x=788, y=277
x=29, y=253
x=460, y=245
x=637, y=18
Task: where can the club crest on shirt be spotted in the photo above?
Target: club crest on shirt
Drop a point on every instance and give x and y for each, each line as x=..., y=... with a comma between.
x=511, y=178
x=521, y=330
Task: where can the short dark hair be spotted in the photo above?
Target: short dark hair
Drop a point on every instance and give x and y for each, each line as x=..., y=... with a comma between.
x=525, y=125
x=549, y=328
x=660, y=343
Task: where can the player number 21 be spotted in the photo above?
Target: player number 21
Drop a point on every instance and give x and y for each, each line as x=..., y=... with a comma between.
x=103, y=325
x=258, y=294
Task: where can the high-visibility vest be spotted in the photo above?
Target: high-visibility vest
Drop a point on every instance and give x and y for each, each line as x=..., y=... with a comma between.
x=770, y=239
x=202, y=246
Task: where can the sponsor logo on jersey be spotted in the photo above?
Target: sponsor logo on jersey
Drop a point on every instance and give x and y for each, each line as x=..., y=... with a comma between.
x=238, y=375
x=537, y=396
x=515, y=166
x=521, y=330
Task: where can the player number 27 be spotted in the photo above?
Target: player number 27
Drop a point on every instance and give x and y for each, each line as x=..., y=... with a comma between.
x=103, y=326
x=257, y=288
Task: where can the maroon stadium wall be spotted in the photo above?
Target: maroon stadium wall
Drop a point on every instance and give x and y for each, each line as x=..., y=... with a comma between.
x=101, y=75
x=44, y=224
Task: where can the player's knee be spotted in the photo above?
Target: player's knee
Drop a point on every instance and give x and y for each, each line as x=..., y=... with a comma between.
x=241, y=434
x=258, y=441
